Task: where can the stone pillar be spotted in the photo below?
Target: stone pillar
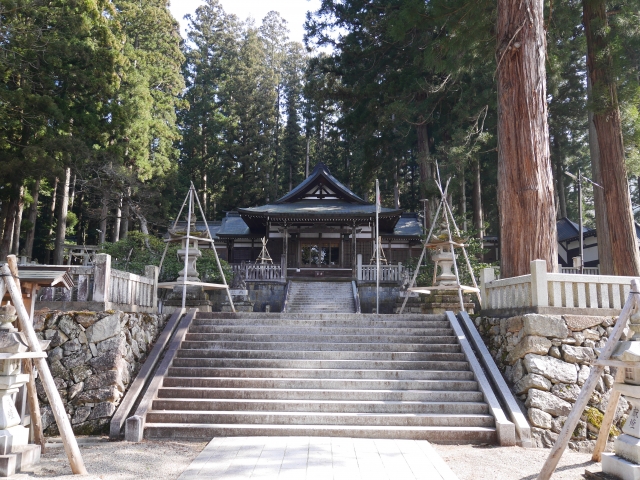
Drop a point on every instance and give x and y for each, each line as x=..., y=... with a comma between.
x=102, y=278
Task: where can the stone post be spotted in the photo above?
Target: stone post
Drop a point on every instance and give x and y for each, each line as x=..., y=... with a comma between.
x=359, y=267
x=102, y=278
x=539, y=288
x=151, y=271
x=487, y=275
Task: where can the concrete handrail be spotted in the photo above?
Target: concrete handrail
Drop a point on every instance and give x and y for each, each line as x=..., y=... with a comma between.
x=286, y=296
x=356, y=296
x=134, y=426
x=137, y=386
x=500, y=386
x=504, y=428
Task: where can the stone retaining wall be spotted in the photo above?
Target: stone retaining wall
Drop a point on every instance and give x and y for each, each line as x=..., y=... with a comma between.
x=546, y=359
x=93, y=356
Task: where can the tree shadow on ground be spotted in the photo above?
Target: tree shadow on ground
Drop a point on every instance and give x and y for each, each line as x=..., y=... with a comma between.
x=561, y=469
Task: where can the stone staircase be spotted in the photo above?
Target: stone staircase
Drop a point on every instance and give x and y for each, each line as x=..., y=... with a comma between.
x=376, y=376
x=320, y=297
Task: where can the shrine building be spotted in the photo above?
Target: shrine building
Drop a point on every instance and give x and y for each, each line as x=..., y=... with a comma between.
x=320, y=227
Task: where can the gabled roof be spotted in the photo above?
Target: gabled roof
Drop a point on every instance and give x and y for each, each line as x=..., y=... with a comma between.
x=321, y=185
x=568, y=230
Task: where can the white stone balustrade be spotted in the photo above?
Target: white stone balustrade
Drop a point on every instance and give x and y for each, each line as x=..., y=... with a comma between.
x=554, y=290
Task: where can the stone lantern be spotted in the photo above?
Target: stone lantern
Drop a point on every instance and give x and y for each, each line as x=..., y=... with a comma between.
x=12, y=434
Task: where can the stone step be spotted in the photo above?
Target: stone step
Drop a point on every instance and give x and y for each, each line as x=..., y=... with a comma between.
x=283, y=322
x=337, y=317
x=315, y=383
x=358, y=365
x=321, y=418
x=323, y=394
x=202, y=371
x=312, y=325
x=336, y=406
x=370, y=347
x=315, y=338
x=432, y=352
x=341, y=329
x=443, y=435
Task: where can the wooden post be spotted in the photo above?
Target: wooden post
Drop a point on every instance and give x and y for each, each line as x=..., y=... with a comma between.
x=27, y=366
x=354, y=250
x=68, y=438
x=152, y=271
x=570, y=424
x=607, y=421
x=286, y=252
x=102, y=278
x=539, y=284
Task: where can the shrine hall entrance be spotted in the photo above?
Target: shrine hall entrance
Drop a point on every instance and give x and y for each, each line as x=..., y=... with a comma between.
x=320, y=254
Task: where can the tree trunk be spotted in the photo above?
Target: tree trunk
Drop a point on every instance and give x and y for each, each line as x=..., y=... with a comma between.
x=104, y=213
x=525, y=180
x=426, y=171
x=17, y=224
x=115, y=234
x=561, y=189
x=306, y=165
x=126, y=213
x=462, y=204
x=4, y=212
x=478, y=216
x=33, y=218
x=52, y=216
x=396, y=187
x=7, y=237
x=72, y=192
x=623, y=243
x=61, y=228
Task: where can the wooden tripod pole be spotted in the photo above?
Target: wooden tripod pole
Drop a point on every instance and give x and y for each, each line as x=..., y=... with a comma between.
x=589, y=386
x=607, y=421
x=68, y=438
x=27, y=366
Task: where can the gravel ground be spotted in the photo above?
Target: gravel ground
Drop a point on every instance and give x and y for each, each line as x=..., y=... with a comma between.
x=167, y=460
x=474, y=462
x=118, y=460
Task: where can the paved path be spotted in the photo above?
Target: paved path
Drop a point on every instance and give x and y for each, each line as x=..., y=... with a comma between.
x=322, y=458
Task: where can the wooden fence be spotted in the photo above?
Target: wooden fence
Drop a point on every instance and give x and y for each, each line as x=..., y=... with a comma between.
x=388, y=273
x=100, y=288
x=554, y=290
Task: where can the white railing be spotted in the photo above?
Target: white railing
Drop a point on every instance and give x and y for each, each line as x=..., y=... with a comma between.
x=99, y=287
x=388, y=273
x=131, y=289
x=266, y=271
x=564, y=290
x=585, y=270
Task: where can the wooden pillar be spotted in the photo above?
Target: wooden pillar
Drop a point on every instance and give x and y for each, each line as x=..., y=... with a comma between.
x=286, y=250
x=341, y=250
x=354, y=250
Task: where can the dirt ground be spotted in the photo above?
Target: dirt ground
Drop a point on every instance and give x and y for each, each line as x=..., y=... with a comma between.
x=473, y=462
x=167, y=460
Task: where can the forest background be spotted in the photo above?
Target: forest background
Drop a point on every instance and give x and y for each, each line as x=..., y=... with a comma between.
x=107, y=113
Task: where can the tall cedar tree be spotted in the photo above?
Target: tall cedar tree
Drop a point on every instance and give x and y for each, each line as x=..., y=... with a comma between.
x=608, y=128
x=525, y=181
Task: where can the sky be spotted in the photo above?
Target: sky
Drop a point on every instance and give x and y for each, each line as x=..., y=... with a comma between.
x=293, y=11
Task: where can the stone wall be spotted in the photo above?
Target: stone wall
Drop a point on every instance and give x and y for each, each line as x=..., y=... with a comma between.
x=546, y=359
x=261, y=293
x=93, y=356
x=389, y=295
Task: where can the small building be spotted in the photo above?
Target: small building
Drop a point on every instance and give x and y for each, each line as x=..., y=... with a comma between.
x=319, y=227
